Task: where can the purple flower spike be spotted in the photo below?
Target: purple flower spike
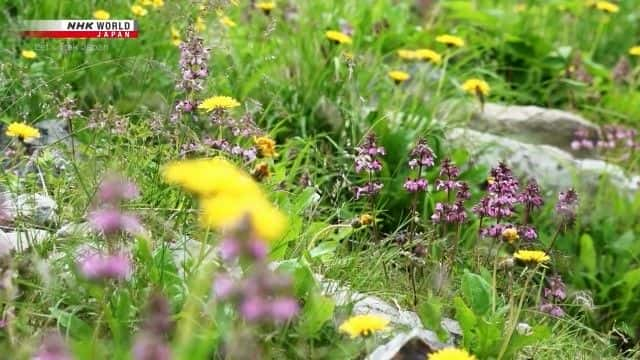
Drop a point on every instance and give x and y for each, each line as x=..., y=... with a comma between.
x=114, y=189
x=223, y=287
x=53, y=347
x=97, y=266
x=567, y=205
x=150, y=347
x=421, y=155
x=531, y=197
x=112, y=221
x=253, y=308
x=284, y=309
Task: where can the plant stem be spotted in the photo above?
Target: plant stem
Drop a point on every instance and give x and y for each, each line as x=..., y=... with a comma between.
x=513, y=321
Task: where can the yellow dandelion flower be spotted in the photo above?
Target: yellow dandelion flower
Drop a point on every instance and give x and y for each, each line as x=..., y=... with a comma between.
x=366, y=219
x=405, y=54
x=176, y=39
x=226, y=21
x=210, y=177
x=398, y=76
x=607, y=7
x=510, y=235
x=533, y=257
x=199, y=25
x=266, y=6
x=101, y=14
x=364, y=325
x=338, y=37
x=450, y=40
x=476, y=87
x=635, y=50
x=428, y=55
x=157, y=3
x=22, y=131
x=451, y=353
x=138, y=10
x=227, y=211
x=146, y=2
x=266, y=146
x=219, y=103
x=28, y=54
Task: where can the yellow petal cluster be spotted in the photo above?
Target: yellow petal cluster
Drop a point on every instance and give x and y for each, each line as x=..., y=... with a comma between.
x=364, y=325
x=476, y=87
x=22, y=131
x=450, y=40
x=101, y=14
x=218, y=102
x=227, y=195
x=338, y=37
x=451, y=353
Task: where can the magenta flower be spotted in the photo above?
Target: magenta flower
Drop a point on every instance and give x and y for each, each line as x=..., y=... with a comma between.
x=417, y=185
x=567, y=206
x=150, y=347
x=369, y=189
x=97, y=266
x=284, y=309
x=53, y=347
x=530, y=197
x=253, y=308
x=224, y=287
x=114, y=189
x=112, y=221
x=421, y=155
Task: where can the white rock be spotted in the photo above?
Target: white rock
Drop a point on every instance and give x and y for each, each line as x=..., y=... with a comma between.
x=553, y=168
x=20, y=241
x=365, y=304
x=73, y=229
x=41, y=209
x=415, y=344
x=531, y=124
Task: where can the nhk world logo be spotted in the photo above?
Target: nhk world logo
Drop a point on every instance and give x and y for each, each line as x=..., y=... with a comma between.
x=81, y=29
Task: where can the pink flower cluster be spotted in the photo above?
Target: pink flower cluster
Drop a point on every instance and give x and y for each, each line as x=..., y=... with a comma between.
x=261, y=295
x=368, y=160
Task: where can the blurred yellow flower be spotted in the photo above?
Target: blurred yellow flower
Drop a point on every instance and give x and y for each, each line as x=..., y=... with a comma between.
x=398, y=76
x=450, y=40
x=176, y=39
x=218, y=103
x=146, y=2
x=228, y=195
x=366, y=219
x=226, y=211
x=266, y=6
x=101, y=14
x=520, y=8
x=635, y=50
x=226, y=21
x=451, y=353
x=157, y=3
x=510, y=235
x=338, y=37
x=266, y=146
x=428, y=55
x=476, y=87
x=28, y=54
x=200, y=26
x=607, y=7
x=210, y=177
x=407, y=54
x=533, y=257
x=138, y=10
x=22, y=131
x=364, y=325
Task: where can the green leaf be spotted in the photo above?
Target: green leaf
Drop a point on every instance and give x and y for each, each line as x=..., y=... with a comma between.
x=467, y=320
x=317, y=311
x=430, y=313
x=73, y=324
x=587, y=253
x=477, y=292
